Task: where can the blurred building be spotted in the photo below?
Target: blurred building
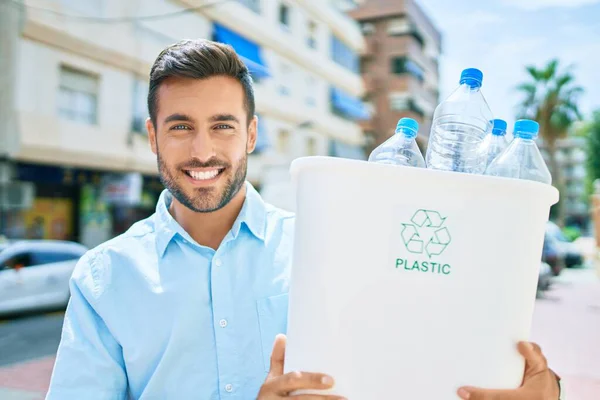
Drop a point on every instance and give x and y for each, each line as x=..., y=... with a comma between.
x=400, y=65
x=571, y=157
x=74, y=157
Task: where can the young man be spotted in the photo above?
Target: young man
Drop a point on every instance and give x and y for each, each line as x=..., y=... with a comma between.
x=187, y=303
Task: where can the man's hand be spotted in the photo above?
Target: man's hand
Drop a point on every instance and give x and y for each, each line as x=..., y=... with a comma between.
x=539, y=382
x=279, y=386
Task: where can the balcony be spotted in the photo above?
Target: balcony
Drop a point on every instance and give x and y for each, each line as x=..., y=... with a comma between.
x=417, y=89
x=406, y=101
x=408, y=45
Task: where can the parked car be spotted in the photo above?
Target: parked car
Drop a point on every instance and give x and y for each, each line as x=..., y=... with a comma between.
x=4, y=244
x=569, y=252
x=34, y=274
x=552, y=254
x=545, y=277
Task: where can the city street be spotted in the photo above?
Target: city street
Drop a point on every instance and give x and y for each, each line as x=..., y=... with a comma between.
x=566, y=325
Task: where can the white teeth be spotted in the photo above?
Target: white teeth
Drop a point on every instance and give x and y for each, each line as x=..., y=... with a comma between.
x=203, y=175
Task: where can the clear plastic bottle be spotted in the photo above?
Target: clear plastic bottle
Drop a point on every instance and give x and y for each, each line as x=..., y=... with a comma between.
x=522, y=158
x=460, y=123
x=496, y=142
x=401, y=148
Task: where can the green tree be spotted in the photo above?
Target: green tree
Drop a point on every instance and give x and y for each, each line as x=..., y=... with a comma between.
x=591, y=131
x=551, y=98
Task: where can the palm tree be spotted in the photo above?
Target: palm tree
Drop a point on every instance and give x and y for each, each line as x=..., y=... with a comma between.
x=550, y=98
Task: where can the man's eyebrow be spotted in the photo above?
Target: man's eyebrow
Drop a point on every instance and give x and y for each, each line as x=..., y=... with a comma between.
x=178, y=117
x=223, y=118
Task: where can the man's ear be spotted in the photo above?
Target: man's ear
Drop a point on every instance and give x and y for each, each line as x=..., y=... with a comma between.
x=151, y=135
x=252, y=134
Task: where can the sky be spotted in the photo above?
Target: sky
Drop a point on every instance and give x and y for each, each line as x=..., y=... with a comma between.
x=501, y=37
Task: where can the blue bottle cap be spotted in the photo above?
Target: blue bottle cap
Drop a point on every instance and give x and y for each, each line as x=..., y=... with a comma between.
x=408, y=126
x=499, y=127
x=526, y=129
x=472, y=77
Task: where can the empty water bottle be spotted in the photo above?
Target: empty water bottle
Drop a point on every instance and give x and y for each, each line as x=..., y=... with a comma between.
x=401, y=148
x=495, y=143
x=460, y=123
x=522, y=158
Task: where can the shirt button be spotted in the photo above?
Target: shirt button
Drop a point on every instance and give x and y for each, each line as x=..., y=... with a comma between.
x=218, y=262
x=223, y=323
x=229, y=388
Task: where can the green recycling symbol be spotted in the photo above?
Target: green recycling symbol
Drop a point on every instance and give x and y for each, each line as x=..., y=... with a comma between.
x=432, y=223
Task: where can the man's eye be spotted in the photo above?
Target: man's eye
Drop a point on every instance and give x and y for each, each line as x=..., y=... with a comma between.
x=180, y=127
x=223, y=126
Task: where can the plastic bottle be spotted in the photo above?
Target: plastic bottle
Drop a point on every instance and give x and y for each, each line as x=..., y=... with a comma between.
x=495, y=142
x=522, y=158
x=401, y=148
x=460, y=123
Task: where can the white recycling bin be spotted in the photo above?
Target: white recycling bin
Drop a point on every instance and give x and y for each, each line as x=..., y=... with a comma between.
x=408, y=283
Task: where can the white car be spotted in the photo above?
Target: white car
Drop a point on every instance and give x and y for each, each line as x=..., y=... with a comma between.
x=34, y=274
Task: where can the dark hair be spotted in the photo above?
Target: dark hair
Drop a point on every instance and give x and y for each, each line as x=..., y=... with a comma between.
x=199, y=59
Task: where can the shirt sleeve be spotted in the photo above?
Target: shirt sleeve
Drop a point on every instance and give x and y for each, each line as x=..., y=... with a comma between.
x=89, y=363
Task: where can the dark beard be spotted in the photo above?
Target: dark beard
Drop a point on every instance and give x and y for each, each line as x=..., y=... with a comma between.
x=201, y=200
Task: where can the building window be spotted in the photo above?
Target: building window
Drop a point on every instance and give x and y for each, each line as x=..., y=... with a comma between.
x=367, y=28
x=284, y=15
x=311, y=146
x=312, y=35
x=311, y=91
x=405, y=103
x=254, y=5
x=404, y=26
x=285, y=80
x=404, y=65
x=78, y=96
x=399, y=26
x=344, y=55
x=283, y=141
x=140, y=106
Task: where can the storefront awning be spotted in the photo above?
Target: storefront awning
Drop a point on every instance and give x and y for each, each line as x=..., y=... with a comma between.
x=350, y=106
x=248, y=51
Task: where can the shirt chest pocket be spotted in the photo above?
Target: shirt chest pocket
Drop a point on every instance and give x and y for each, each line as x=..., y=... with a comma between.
x=272, y=318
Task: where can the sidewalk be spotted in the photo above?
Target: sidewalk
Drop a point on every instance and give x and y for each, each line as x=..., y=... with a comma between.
x=566, y=325
x=26, y=381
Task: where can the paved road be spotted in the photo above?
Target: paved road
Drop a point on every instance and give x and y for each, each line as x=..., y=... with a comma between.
x=27, y=348
x=566, y=324
x=29, y=337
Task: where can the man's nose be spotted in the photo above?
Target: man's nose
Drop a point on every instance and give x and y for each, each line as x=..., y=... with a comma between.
x=202, y=147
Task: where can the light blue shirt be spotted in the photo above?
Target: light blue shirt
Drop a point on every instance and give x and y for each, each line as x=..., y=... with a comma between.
x=154, y=315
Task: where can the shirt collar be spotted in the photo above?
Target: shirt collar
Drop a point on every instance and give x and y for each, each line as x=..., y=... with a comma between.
x=252, y=214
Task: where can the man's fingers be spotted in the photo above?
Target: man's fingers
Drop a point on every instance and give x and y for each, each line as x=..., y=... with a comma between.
x=278, y=356
x=471, y=393
x=534, y=359
x=536, y=347
x=299, y=380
